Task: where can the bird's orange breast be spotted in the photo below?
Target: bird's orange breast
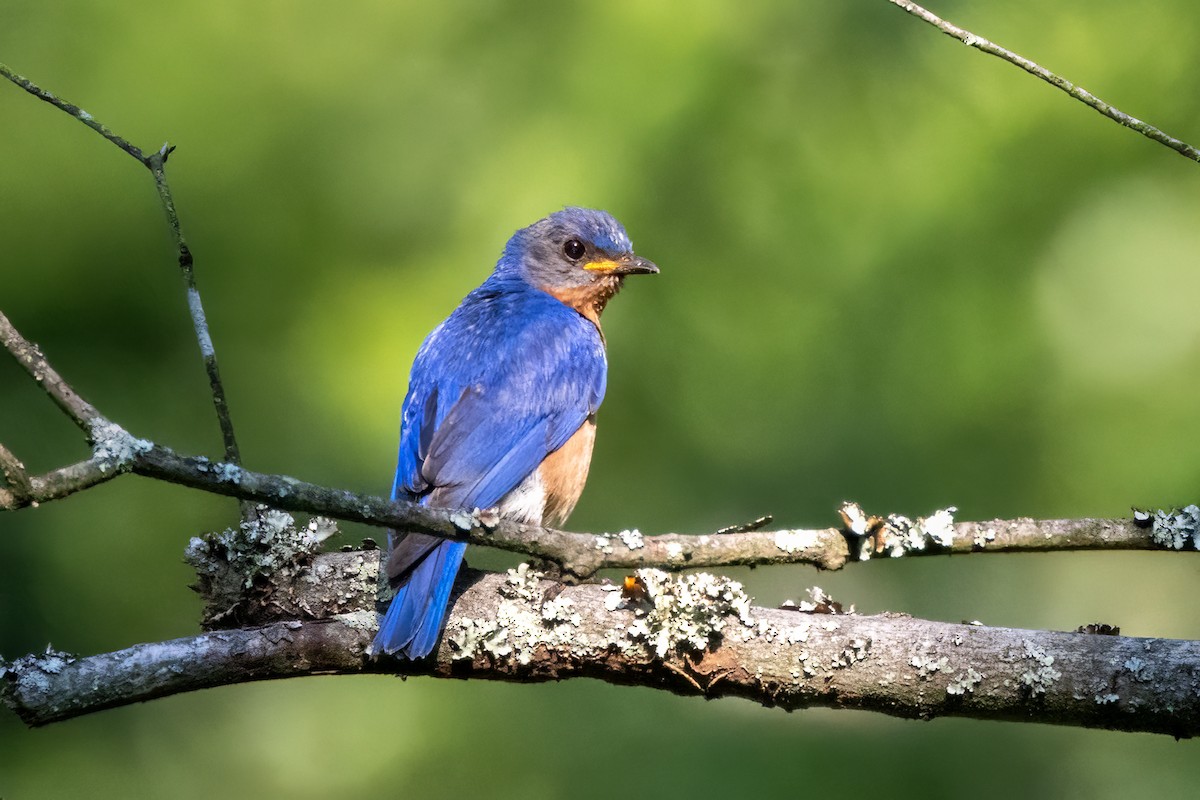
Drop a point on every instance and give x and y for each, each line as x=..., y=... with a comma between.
x=588, y=300
x=565, y=471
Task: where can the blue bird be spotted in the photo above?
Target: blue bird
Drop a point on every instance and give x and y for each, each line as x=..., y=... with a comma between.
x=501, y=405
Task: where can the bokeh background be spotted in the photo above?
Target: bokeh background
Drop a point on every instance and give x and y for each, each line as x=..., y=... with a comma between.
x=894, y=270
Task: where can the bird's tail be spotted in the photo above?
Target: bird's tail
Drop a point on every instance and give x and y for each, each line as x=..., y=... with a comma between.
x=414, y=618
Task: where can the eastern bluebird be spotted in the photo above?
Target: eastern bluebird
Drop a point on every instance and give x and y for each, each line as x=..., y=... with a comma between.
x=501, y=404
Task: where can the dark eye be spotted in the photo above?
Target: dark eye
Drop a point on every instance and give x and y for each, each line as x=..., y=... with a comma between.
x=574, y=249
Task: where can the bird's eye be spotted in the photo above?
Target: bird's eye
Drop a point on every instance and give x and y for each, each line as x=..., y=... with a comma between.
x=574, y=249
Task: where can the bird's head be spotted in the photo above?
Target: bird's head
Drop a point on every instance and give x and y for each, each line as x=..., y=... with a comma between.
x=579, y=255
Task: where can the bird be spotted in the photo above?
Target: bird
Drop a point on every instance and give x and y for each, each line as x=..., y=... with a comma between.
x=501, y=406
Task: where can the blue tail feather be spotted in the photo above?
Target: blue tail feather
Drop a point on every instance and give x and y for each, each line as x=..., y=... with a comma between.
x=414, y=618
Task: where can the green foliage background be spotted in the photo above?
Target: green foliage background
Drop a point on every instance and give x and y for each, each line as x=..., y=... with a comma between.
x=893, y=270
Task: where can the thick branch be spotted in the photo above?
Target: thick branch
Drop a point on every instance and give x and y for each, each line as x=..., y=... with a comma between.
x=1078, y=92
x=693, y=635
x=56, y=686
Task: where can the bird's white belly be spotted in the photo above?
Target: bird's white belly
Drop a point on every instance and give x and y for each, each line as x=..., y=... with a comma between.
x=527, y=502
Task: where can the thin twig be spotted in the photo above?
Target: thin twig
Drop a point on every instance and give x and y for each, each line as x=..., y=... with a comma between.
x=30, y=357
x=1078, y=92
x=156, y=162
x=72, y=109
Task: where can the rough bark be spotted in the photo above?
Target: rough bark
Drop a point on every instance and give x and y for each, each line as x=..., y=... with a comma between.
x=689, y=634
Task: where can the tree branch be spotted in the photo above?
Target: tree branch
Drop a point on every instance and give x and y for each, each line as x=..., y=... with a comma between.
x=579, y=555
x=690, y=634
x=1078, y=92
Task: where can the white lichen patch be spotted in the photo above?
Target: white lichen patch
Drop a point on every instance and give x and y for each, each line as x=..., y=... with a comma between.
x=900, y=535
x=359, y=620
x=856, y=520
x=522, y=582
x=1138, y=668
x=1042, y=673
x=1177, y=529
x=632, y=539
x=488, y=518
x=855, y=650
x=227, y=473
x=561, y=610
x=796, y=541
x=463, y=520
x=686, y=612
x=965, y=682
x=524, y=621
x=762, y=630
x=613, y=599
x=674, y=553
x=798, y=633
x=261, y=545
x=113, y=447
x=469, y=637
x=983, y=538
x=1107, y=698
x=818, y=602
x=926, y=666
x=939, y=526
x=32, y=673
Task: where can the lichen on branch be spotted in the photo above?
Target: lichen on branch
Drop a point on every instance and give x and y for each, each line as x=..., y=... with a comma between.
x=690, y=634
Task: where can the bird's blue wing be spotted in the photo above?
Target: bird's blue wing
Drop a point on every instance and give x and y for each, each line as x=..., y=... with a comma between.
x=501, y=384
x=504, y=382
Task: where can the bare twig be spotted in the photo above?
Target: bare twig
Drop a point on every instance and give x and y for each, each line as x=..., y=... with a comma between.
x=1078, y=92
x=74, y=110
x=156, y=162
x=27, y=354
x=693, y=635
x=68, y=480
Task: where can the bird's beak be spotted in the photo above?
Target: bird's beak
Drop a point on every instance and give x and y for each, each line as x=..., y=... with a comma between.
x=624, y=265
